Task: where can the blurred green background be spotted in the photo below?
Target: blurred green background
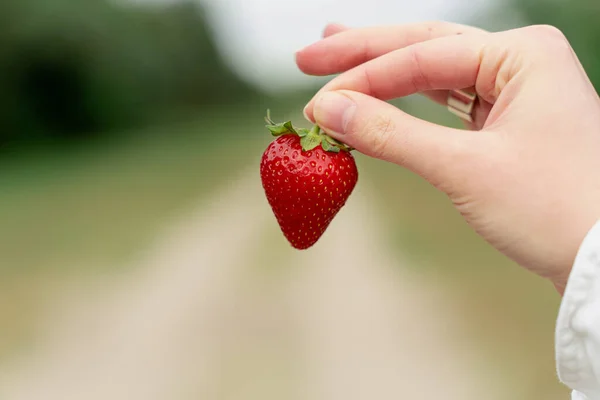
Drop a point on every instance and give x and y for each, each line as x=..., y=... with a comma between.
x=117, y=118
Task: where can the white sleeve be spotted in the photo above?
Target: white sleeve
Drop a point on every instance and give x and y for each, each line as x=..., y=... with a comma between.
x=578, y=324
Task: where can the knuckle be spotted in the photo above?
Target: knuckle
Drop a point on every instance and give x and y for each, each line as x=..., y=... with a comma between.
x=379, y=132
x=418, y=78
x=540, y=44
x=549, y=31
x=371, y=87
x=549, y=37
x=496, y=69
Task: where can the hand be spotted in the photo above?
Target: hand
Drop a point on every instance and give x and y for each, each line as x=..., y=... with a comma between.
x=527, y=178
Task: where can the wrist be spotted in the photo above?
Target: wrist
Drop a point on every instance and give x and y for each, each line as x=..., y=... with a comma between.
x=561, y=279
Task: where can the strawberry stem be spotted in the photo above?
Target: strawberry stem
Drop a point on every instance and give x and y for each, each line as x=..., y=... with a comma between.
x=308, y=139
x=268, y=119
x=316, y=130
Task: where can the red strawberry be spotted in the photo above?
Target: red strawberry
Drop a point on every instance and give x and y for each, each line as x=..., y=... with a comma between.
x=307, y=177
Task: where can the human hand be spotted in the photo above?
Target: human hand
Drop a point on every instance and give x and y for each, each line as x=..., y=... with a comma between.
x=527, y=178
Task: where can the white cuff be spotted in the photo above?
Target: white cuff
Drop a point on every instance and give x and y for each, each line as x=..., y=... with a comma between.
x=578, y=396
x=578, y=324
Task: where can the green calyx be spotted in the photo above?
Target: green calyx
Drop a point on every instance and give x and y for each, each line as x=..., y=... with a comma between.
x=309, y=139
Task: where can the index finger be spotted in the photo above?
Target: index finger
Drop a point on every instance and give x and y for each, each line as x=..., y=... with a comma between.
x=447, y=63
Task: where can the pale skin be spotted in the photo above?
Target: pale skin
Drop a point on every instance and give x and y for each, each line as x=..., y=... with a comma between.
x=525, y=175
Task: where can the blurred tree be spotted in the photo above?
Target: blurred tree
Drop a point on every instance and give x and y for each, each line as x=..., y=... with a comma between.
x=74, y=67
x=578, y=19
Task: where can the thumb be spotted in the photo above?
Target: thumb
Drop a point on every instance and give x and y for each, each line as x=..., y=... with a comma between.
x=380, y=130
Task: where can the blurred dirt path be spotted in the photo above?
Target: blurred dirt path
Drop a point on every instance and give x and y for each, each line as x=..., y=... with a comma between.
x=215, y=312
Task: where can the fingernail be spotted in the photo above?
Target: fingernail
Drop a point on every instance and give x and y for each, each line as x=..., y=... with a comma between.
x=334, y=111
x=305, y=112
